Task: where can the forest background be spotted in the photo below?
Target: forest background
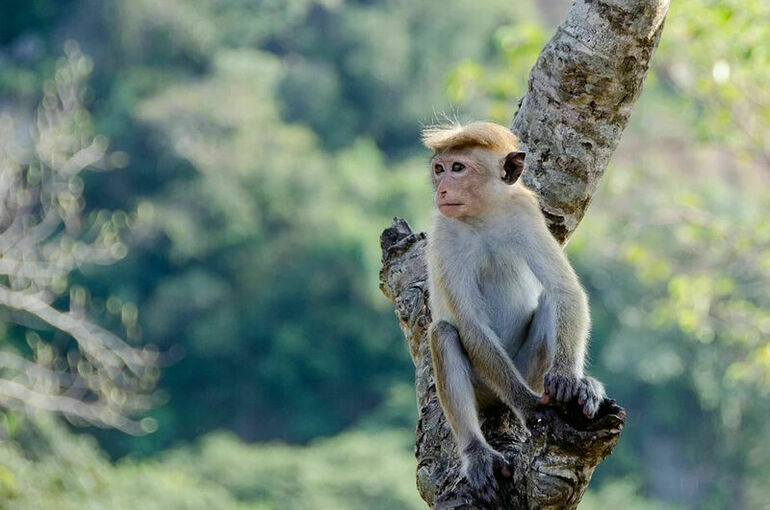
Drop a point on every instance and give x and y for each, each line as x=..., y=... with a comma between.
x=252, y=153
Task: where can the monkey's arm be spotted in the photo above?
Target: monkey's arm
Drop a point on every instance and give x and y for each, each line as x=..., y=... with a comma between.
x=567, y=299
x=485, y=352
x=563, y=293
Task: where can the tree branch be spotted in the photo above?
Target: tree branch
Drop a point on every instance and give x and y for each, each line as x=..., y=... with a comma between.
x=581, y=92
x=109, y=351
x=580, y=95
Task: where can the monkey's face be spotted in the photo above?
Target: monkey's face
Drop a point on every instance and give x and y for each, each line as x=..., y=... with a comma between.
x=463, y=182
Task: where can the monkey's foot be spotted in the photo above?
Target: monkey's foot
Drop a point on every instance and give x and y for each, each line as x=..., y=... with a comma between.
x=481, y=466
x=563, y=388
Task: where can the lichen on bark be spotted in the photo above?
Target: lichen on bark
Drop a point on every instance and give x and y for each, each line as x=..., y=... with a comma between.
x=579, y=99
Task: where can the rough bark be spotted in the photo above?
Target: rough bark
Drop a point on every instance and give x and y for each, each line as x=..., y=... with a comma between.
x=581, y=91
x=580, y=95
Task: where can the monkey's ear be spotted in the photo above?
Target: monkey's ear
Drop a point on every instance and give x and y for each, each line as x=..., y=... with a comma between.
x=512, y=167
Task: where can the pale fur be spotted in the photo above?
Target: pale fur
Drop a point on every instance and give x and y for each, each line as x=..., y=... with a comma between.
x=476, y=134
x=503, y=282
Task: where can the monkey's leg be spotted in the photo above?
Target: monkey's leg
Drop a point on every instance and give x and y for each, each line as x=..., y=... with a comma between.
x=452, y=373
x=496, y=368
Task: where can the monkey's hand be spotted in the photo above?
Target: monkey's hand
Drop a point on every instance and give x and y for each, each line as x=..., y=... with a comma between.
x=482, y=465
x=562, y=388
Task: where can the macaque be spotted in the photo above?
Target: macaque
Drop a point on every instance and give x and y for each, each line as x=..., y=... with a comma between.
x=510, y=318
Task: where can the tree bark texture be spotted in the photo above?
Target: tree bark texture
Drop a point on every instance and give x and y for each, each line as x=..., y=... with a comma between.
x=579, y=99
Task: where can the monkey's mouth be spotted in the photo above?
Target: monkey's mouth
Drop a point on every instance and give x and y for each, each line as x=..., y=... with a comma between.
x=450, y=204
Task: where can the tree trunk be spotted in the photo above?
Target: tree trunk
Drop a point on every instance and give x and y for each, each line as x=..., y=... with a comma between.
x=580, y=96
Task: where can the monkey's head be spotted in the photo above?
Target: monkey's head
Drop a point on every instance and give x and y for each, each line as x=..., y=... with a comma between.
x=474, y=167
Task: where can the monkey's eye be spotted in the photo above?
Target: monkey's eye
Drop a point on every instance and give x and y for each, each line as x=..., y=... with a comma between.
x=457, y=167
x=439, y=169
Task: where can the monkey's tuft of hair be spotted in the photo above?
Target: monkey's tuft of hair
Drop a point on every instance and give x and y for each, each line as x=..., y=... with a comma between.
x=445, y=137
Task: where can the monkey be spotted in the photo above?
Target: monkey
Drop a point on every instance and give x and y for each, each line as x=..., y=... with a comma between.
x=510, y=319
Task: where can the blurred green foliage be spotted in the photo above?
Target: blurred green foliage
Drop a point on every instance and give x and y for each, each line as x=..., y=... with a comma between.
x=48, y=467
x=266, y=144
x=717, y=65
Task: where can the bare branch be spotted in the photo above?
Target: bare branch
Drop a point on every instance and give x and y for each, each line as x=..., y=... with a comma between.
x=43, y=238
x=108, y=350
x=14, y=395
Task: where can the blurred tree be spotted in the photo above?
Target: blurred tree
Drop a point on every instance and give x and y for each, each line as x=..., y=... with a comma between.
x=77, y=368
x=19, y=18
x=245, y=228
x=45, y=466
x=677, y=269
x=269, y=286
x=717, y=65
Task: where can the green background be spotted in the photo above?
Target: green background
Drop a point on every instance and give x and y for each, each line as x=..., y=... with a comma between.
x=263, y=147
